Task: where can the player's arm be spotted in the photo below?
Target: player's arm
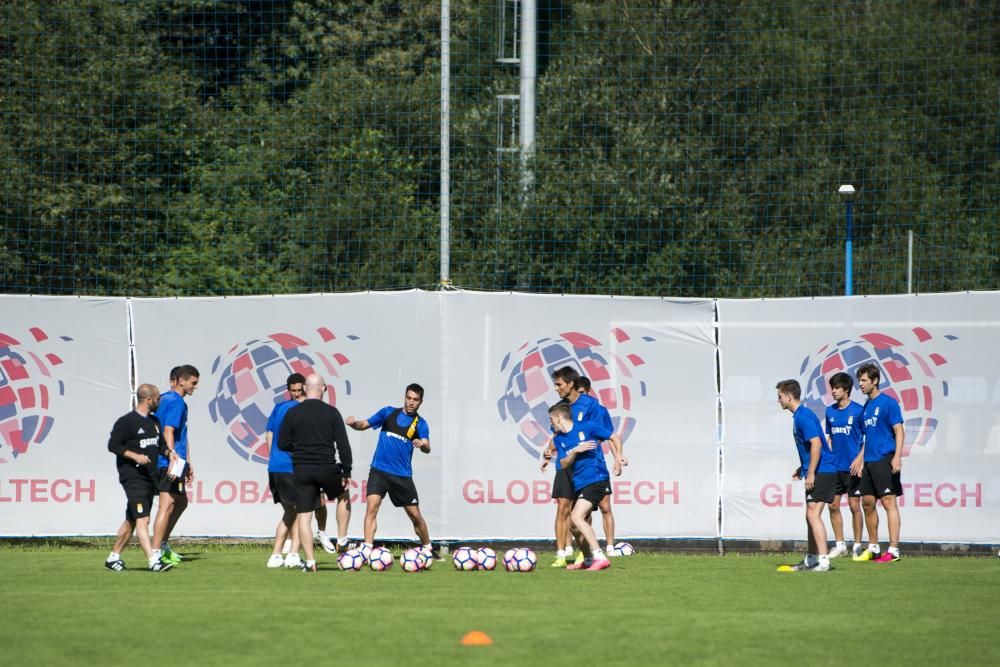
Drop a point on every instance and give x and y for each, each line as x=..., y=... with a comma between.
x=423, y=444
x=343, y=449
x=116, y=444
x=815, y=448
x=616, y=452
x=570, y=457
x=897, y=457
x=358, y=424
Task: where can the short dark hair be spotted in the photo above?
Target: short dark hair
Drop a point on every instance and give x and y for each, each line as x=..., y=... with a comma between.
x=872, y=371
x=561, y=409
x=416, y=389
x=842, y=381
x=294, y=378
x=583, y=384
x=173, y=373
x=567, y=374
x=187, y=371
x=790, y=387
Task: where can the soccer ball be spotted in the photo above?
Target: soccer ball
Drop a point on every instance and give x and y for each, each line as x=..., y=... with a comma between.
x=365, y=551
x=508, y=558
x=427, y=555
x=486, y=559
x=351, y=560
x=380, y=559
x=464, y=559
x=623, y=549
x=412, y=561
x=521, y=560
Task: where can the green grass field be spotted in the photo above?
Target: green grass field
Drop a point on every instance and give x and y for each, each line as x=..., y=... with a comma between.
x=222, y=607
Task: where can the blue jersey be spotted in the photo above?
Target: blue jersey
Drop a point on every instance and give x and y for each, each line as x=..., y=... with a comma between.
x=805, y=427
x=279, y=460
x=882, y=413
x=844, y=427
x=588, y=467
x=394, y=451
x=173, y=412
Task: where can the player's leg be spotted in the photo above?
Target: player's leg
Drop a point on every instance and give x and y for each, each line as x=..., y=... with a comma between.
x=114, y=560
x=871, y=523
x=857, y=522
x=419, y=525
x=343, y=511
x=578, y=516
x=324, y=539
x=609, y=523
x=836, y=519
x=373, y=504
x=142, y=533
x=304, y=523
x=891, y=505
x=817, y=531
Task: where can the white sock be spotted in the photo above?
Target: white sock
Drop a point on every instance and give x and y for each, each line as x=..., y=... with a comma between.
x=157, y=554
x=561, y=553
x=341, y=541
x=310, y=563
x=153, y=560
x=428, y=546
x=569, y=551
x=113, y=556
x=824, y=560
x=369, y=545
x=894, y=551
x=599, y=555
x=841, y=544
x=873, y=548
x=321, y=533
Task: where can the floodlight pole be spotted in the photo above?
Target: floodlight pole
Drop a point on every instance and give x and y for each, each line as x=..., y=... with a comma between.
x=445, y=187
x=846, y=193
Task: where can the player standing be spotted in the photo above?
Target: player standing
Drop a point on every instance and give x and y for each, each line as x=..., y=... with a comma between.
x=314, y=433
x=401, y=431
x=883, y=457
x=173, y=413
x=818, y=468
x=136, y=441
x=583, y=385
x=843, y=427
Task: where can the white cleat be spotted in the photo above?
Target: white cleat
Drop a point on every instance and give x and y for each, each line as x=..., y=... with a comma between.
x=838, y=551
x=275, y=561
x=293, y=561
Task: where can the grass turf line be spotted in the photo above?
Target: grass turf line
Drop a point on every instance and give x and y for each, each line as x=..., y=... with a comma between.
x=222, y=606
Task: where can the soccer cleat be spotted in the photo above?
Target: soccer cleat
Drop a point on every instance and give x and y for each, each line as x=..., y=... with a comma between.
x=115, y=565
x=160, y=566
x=560, y=561
x=305, y=567
x=867, y=554
x=599, y=564
x=171, y=556
x=275, y=561
x=887, y=557
x=821, y=567
x=575, y=566
x=838, y=551
x=326, y=543
x=436, y=553
x=293, y=561
x=798, y=567
x=579, y=558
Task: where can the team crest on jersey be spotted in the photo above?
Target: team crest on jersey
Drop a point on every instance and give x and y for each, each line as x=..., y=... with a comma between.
x=138, y=508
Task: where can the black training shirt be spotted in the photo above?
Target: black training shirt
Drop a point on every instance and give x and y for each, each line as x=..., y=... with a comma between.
x=314, y=433
x=142, y=435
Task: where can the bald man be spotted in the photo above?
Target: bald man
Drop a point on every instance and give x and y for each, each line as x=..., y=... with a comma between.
x=136, y=441
x=315, y=434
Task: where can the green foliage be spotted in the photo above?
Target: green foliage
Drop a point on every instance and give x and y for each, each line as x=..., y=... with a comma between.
x=169, y=147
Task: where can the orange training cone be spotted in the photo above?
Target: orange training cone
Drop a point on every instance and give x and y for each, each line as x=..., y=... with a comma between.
x=476, y=638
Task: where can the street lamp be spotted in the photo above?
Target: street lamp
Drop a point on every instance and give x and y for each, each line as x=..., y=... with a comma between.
x=846, y=193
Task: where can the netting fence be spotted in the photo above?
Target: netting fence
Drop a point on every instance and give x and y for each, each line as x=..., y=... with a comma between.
x=161, y=147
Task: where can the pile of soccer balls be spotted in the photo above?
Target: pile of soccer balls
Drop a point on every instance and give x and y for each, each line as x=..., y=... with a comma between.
x=380, y=559
x=467, y=559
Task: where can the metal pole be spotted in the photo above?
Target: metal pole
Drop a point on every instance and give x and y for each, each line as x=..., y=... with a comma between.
x=846, y=193
x=529, y=73
x=909, y=261
x=445, y=202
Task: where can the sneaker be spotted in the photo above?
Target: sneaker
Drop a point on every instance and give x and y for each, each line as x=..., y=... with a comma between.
x=575, y=565
x=115, y=565
x=867, y=554
x=171, y=556
x=838, y=551
x=307, y=568
x=599, y=564
x=560, y=561
x=801, y=566
x=887, y=557
x=579, y=558
x=611, y=552
x=293, y=561
x=326, y=543
x=822, y=567
x=275, y=561
x=856, y=551
x=160, y=566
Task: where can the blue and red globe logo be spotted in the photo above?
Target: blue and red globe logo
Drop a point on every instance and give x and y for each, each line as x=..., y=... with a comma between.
x=28, y=386
x=909, y=373
x=528, y=390
x=251, y=381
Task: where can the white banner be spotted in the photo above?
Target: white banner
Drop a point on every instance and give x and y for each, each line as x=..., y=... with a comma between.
x=937, y=355
x=64, y=380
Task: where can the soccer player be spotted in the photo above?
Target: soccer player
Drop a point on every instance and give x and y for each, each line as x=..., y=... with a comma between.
x=818, y=468
x=883, y=461
x=315, y=435
x=136, y=441
x=578, y=450
x=401, y=431
x=173, y=413
x=584, y=386
x=843, y=428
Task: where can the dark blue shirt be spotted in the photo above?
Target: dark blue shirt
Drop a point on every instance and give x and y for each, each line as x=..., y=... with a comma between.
x=393, y=453
x=844, y=427
x=882, y=413
x=805, y=427
x=279, y=460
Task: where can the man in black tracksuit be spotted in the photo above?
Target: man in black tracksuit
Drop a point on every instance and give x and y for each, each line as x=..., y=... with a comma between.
x=136, y=441
x=315, y=434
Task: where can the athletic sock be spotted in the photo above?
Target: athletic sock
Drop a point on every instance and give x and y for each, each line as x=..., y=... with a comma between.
x=894, y=551
x=369, y=545
x=112, y=557
x=841, y=544
x=874, y=548
x=341, y=541
x=429, y=546
x=310, y=563
x=569, y=552
x=321, y=533
x=561, y=553
x=824, y=560
x=598, y=554
x=157, y=554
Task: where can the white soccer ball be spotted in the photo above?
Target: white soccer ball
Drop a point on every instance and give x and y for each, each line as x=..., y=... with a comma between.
x=486, y=559
x=522, y=560
x=412, y=561
x=365, y=551
x=380, y=559
x=351, y=561
x=623, y=549
x=464, y=559
x=508, y=559
x=427, y=555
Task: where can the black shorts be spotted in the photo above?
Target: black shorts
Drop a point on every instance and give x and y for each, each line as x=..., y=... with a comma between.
x=847, y=484
x=562, y=485
x=311, y=481
x=166, y=485
x=402, y=492
x=822, y=491
x=139, y=495
x=879, y=480
x=594, y=493
x=282, y=485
